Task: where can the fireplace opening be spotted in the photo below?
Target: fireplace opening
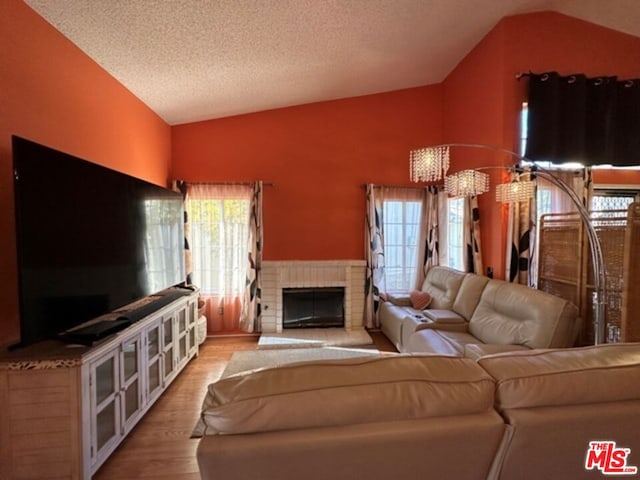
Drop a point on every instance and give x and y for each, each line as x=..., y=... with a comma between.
x=313, y=307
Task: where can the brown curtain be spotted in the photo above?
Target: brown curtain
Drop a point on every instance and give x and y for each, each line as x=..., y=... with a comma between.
x=592, y=121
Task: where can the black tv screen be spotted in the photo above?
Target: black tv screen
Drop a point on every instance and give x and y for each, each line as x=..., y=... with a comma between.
x=89, y=239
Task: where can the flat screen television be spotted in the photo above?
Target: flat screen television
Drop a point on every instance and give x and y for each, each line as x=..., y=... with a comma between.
x=89, y=239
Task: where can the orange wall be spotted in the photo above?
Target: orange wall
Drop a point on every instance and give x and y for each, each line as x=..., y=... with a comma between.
x=473, y=114
x=52, y=93
x=482, y=97
x=318, y=157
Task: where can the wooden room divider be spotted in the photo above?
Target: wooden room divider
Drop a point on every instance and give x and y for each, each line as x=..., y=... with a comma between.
x=565, y=268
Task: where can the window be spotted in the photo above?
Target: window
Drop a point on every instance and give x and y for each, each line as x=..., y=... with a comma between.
x=219, y=241
x=613, y=200
x=401, y=234
x=161, y=232
x=455, y=237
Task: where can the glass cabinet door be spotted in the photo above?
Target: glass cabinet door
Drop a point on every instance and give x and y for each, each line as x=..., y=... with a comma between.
x=192, y=326
x=168, y=347
x=154, y=373
x=183, y=319
x=193, y=341
x=104, y=402
x=130, y=361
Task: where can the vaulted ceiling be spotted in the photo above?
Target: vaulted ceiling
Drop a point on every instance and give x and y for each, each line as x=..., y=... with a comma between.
x=191, y=60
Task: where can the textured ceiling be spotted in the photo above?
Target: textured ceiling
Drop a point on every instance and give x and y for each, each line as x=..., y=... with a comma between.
x=191, y=60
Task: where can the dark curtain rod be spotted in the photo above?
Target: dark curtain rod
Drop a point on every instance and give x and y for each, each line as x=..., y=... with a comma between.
x=264, y=184
x=628, y=82
x=364, y=185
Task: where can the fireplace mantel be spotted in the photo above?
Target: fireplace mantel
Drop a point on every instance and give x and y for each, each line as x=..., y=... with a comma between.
x=277, y=275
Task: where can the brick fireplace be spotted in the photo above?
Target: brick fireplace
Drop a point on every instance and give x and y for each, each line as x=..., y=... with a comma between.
x=279, y=275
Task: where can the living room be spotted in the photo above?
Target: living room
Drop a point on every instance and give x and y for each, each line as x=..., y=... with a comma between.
x=329, y=142
x=317, y=155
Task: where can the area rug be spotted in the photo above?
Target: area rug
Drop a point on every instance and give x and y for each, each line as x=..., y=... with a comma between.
x=250, y=360
x=314, y=337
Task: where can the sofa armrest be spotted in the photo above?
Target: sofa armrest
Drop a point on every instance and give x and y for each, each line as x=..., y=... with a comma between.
x=443, y=316
x=398, y=299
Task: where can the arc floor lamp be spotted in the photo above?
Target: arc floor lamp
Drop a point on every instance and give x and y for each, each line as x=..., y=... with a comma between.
x=432, y=164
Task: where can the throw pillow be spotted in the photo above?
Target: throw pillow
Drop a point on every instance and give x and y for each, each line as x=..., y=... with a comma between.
x=419, y=300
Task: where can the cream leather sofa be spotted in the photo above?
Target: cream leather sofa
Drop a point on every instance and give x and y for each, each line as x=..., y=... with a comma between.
x=528, y=414
x=472, y=315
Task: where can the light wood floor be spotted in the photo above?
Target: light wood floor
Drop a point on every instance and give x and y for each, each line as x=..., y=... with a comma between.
x=159, y=447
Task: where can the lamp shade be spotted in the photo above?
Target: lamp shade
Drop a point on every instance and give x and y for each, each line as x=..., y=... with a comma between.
x=428, y=164
x=516, y=191
x=467, y=183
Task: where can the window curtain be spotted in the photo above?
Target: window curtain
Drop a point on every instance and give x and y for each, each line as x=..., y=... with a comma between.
x=219, y=224
x=550, y=199
x=181, y=187
x=374, y=255
x=579, y=180
x=250, y=319
x=592, y=121
x=427, y=242
x=473, y=248
x=430, y=234
x=408, y=194
x=521, y=235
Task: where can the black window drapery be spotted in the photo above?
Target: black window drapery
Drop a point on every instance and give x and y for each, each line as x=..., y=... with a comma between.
x=574, y=118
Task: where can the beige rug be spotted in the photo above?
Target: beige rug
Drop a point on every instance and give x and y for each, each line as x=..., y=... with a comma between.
x=314, y=337
x=253, y=359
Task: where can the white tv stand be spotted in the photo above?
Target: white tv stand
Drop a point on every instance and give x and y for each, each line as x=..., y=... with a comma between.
x=64, y=409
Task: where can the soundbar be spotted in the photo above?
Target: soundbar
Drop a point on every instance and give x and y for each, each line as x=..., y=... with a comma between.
x=94, y=332
x=99, y=330
x=147, y=309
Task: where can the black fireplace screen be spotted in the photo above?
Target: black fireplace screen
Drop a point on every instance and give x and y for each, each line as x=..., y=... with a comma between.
x=313, y=307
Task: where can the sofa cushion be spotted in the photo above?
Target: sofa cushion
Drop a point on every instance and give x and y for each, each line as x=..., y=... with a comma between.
x=572, y=376
x=442, y=283
x=514, y=314
x=469, y=294
x=346, y=392
x=439, y=342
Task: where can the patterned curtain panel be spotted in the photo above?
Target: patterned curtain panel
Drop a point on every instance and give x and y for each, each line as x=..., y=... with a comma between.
x=183, y=188
x=431, y=231
x=250, y=319
x=374, y=254
x=586, y=192
x=473, y=247
x=521, y=236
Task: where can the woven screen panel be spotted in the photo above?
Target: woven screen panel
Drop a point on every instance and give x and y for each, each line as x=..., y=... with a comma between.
x=630, y=321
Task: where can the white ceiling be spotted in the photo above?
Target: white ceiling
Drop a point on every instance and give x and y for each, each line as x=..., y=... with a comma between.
x=191, y=60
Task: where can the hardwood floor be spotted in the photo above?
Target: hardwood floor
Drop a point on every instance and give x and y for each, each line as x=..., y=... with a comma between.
x=159, y=447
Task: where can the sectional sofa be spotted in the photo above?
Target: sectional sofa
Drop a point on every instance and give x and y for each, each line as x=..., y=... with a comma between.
x=543, y=414
x=472, y=315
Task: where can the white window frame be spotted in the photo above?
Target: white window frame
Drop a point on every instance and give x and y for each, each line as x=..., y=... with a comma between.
x=407, y=272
